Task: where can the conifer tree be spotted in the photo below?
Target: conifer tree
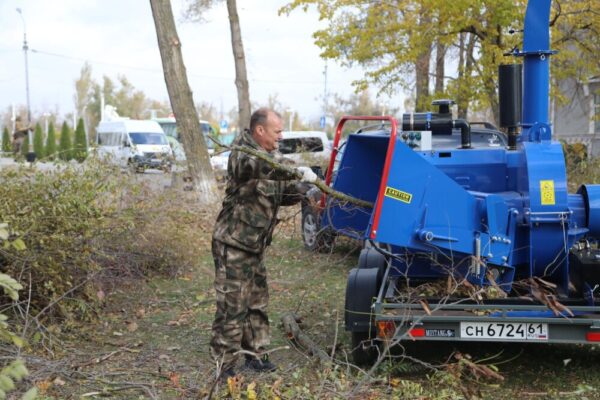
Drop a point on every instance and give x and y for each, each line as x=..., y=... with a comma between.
x=65, y=148
x=80, y=146
x=6, y=145
x=51, y=142
x=38, y=142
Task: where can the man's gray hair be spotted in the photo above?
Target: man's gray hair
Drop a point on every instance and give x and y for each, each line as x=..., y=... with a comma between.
x=259, y=117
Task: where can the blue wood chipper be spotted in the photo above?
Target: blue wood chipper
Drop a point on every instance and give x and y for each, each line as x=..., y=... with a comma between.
x=484, y=212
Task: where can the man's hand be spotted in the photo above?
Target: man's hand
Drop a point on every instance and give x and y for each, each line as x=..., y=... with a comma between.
x=308, y=175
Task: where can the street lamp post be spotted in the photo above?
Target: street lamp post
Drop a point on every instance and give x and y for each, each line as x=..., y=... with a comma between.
x=25, y=49
x=31, y=154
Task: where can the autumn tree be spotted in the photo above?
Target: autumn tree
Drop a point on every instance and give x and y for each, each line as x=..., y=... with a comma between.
x=128, y=100
x=195, y=12
x=182, y=102
x=84, y=90
x=395, y=41
x=208, y=112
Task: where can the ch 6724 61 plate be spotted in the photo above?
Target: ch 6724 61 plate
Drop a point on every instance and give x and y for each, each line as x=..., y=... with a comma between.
x=504, y=330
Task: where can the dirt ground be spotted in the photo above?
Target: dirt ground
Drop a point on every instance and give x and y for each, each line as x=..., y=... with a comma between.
x=150, y=341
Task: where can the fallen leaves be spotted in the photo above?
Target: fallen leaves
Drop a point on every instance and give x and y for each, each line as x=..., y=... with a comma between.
x=132, y=326
x=182, y=319
x=174, y=378
x=140, y=313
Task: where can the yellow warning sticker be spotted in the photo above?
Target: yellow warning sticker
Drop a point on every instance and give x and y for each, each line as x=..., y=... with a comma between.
x=547, y=192
x=398, y=195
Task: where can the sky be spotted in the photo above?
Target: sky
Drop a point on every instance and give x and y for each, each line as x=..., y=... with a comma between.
x=117, y=37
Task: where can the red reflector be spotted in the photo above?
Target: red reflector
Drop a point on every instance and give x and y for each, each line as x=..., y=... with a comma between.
x=417, y=332
x=386, y=329
x=593, y=336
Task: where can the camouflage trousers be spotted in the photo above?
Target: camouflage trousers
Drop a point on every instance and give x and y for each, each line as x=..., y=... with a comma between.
x=241, y=320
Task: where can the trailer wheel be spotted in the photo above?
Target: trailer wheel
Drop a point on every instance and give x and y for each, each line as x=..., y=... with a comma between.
x=365, y=349
x=314, y=237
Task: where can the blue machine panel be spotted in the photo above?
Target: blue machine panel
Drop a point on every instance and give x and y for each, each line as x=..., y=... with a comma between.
x=548, y=213
x=591, y=196
x=358, y=175
x=423, y=208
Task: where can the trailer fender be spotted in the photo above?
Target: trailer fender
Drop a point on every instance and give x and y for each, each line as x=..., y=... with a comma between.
x=361, y=291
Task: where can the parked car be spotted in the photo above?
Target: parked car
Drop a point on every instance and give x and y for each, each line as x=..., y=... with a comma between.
x=135, y=143
x=306, y=147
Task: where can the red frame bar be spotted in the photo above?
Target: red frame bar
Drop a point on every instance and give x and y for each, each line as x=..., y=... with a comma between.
x=386, y=165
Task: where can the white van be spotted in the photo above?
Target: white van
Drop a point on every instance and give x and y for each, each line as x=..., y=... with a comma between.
x=306, y=147
x=140, y=144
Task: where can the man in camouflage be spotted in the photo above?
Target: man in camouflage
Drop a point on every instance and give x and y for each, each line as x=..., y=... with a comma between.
x=19, y=135
x=255, y=191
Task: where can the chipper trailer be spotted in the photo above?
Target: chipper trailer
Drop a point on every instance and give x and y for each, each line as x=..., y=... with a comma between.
x=504, y=252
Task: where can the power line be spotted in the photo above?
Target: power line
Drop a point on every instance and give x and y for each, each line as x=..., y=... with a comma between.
x=157, y=71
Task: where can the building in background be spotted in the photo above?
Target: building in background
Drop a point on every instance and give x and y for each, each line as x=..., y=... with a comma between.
x=578, y=120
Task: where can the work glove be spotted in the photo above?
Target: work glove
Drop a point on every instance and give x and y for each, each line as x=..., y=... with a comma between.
x=308, y=175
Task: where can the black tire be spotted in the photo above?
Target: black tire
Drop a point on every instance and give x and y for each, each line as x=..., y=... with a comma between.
x=314, y=237
x=365, y=350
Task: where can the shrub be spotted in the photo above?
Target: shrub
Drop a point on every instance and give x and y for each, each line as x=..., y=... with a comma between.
x=80, y=151
x=38, y=142
x=15, y=370
x=65, y=147
x=51, y=142
x=583, y=172
x=6, y=142
x=58, y=214
x=87, y=227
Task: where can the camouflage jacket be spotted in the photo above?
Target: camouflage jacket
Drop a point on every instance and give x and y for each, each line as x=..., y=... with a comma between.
x=254, y=193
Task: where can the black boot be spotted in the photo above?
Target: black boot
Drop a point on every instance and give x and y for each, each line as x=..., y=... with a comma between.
x=227, y=373
x=260, y=365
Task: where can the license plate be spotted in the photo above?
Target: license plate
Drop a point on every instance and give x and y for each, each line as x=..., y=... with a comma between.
x=504, y=330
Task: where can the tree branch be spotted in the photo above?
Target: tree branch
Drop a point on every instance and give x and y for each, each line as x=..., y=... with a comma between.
x=292, y=171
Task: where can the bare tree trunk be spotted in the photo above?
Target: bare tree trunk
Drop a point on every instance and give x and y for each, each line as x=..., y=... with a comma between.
x=491, y=84
x=466, y=60
x=182, y=102
x=241, y=77
x=440, y=70
x=461, y=112
x=422, y=78
x=422, y=67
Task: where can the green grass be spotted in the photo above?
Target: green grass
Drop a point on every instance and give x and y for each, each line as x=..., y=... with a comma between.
x=167, y=352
